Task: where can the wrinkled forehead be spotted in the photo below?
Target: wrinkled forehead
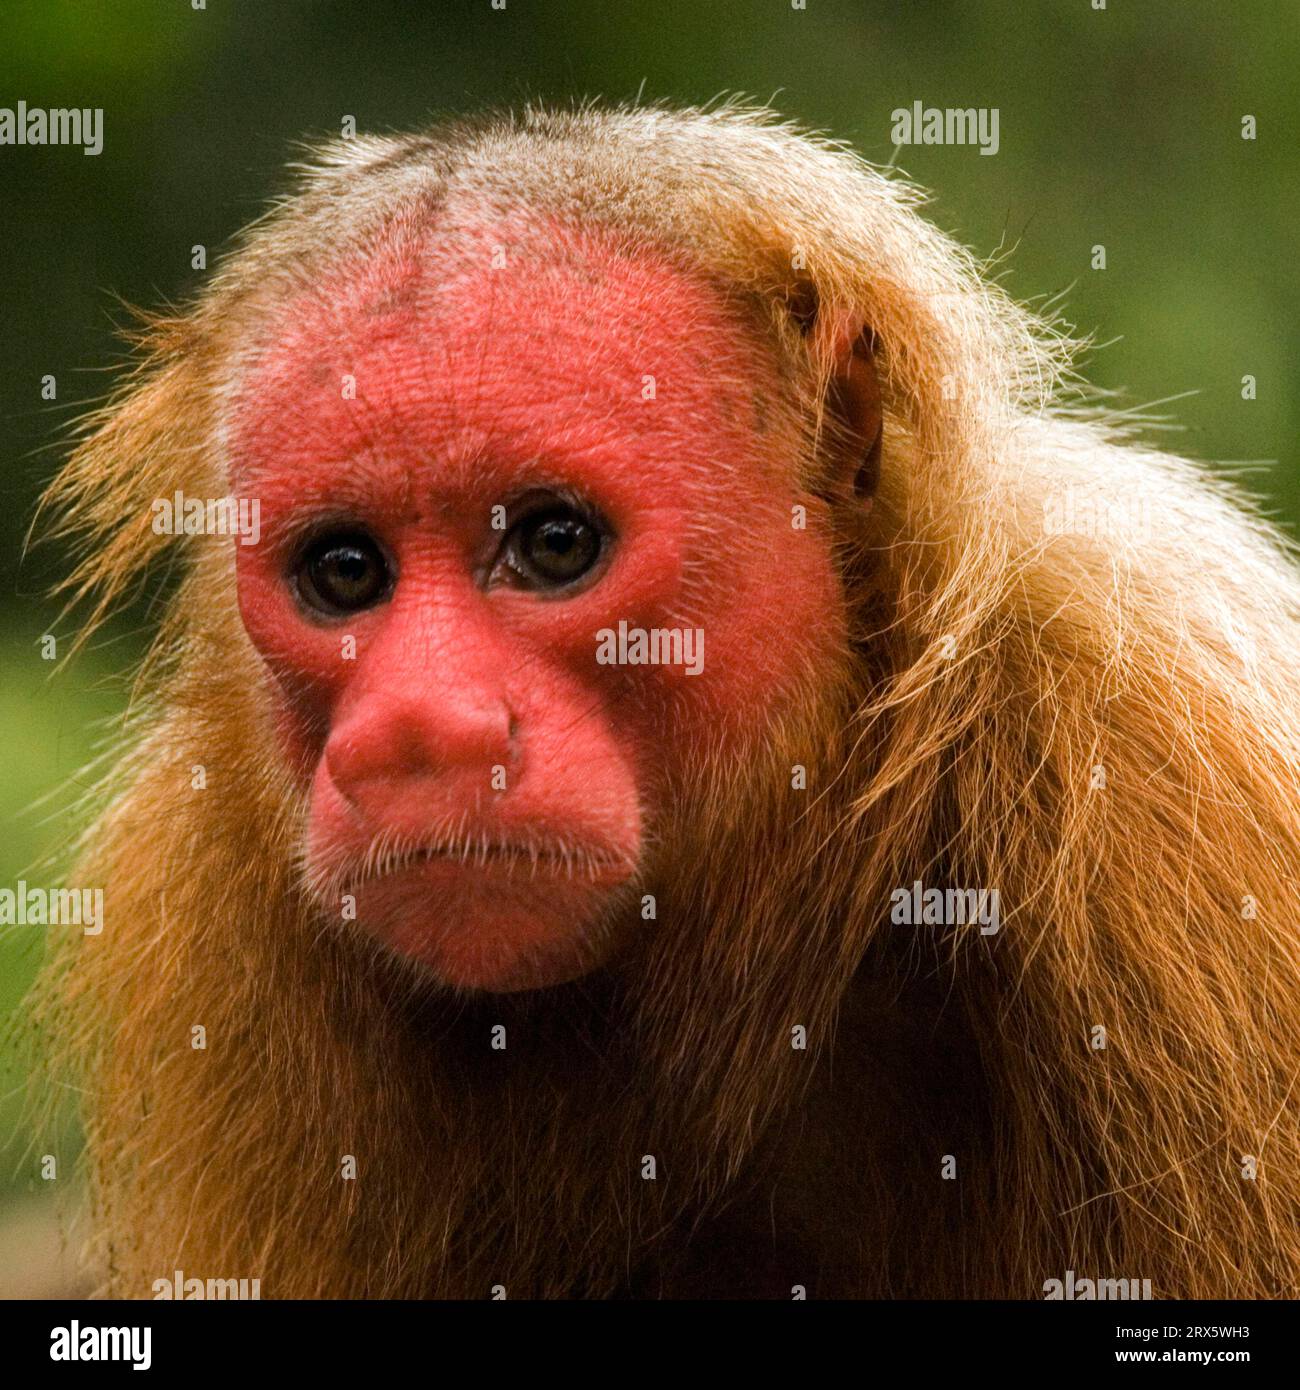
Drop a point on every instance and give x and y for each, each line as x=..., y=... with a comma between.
x=502, y=340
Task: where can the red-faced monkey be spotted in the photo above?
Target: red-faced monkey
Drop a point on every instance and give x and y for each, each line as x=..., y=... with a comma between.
x=713, y=772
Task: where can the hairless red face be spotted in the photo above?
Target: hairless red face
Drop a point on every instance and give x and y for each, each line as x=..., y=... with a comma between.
x=481, y=475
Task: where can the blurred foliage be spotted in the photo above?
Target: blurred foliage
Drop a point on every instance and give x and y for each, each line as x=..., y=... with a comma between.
x=1118, y=126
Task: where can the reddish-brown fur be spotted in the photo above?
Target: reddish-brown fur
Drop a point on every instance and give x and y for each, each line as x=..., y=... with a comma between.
x=990, y=668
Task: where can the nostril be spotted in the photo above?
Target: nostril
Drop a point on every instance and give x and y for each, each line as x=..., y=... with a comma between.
x=344, y=757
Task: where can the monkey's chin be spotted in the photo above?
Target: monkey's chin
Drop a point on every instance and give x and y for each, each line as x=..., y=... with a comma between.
x=476, y=928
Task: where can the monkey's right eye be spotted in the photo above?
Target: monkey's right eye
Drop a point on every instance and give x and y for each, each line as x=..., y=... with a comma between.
x=344, y=572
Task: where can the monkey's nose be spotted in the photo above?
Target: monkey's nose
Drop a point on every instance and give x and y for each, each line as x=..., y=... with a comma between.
x=393, y=743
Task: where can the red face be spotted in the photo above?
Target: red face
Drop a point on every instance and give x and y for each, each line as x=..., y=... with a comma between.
x=470, y=476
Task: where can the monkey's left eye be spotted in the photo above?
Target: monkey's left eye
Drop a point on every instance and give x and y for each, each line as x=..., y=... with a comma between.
x=552, y=547
x=344, y=572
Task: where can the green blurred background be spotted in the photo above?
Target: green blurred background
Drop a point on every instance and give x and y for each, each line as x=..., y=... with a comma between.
x=1119, y=126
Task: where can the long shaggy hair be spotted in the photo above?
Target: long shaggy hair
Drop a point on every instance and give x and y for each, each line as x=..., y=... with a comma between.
x=1104, y=728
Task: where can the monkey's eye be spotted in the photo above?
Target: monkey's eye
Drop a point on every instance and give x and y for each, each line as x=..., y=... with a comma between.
x=343, y=572
x=552, y=547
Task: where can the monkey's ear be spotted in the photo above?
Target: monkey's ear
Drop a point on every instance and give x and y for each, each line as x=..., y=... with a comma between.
x=854, y=416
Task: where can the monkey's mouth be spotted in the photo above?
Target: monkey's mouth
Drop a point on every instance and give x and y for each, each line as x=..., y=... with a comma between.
x=518, y=861
x=583, y=864
x=482, y=913
x=516, y=899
